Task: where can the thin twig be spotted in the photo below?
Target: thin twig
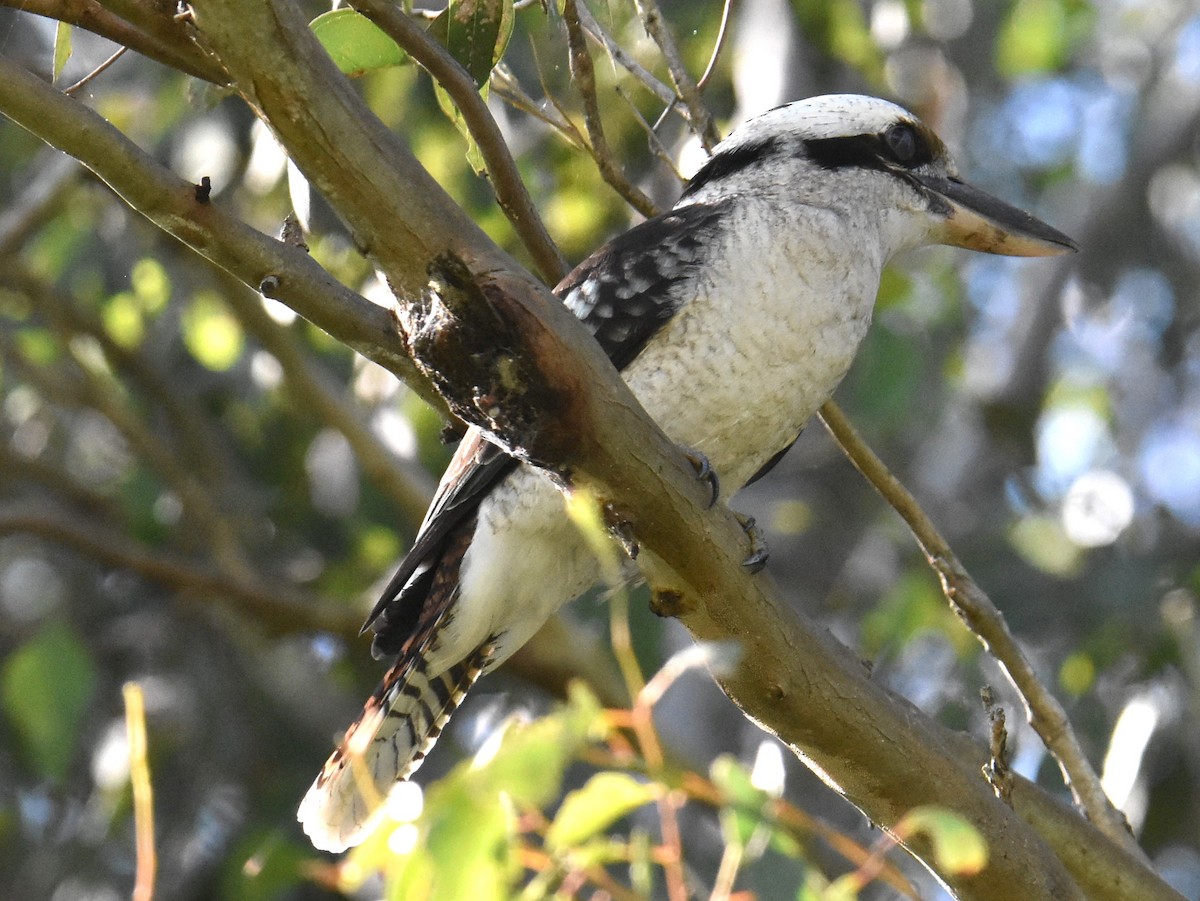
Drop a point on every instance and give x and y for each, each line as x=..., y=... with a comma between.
x=511, y=193
x=83, y=82
x=621, y=57
x=505, y=86
x=641, y=718
x=656, y=145
x=585, y=80
x=722, y=31
x=143, y=795
x=987, y=623
x=698, y=116
x=278, y=611
x=41, y=197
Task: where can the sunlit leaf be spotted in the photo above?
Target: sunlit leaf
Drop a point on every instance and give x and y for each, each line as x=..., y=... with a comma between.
x=1037, y=36
x=463, y=846
x=957, y=845
x=151, y=284
x=62, y=48
x=212, y=333
x=741, y=817
x=602, y=800
x=1043, y=543
x=355, y=43
x=122, y=318
x=46, y=685
x=1077, y=673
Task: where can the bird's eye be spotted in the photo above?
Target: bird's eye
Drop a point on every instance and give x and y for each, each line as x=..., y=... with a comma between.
x=902, y=143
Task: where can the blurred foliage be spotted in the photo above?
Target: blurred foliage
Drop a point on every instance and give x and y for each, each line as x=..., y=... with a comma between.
x=162, y=446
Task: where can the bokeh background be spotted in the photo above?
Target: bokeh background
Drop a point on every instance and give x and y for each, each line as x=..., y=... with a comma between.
x=202, y=493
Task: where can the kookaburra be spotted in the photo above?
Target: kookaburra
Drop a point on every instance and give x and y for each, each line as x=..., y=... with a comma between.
x=732, y=318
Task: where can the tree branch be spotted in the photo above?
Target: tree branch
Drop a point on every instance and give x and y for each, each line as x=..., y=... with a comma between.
x=279, y=612
x=561, y=404
x=510, y=190
x=698, y=115
x=292, y=276
x=986, y=622
x=585, y=81
x=154, y=36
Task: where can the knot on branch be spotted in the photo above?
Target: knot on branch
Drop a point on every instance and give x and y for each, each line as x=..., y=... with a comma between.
x=482, y=348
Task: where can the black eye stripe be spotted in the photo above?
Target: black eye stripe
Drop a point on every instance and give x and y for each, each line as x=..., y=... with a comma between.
x=724, y=163
x=901, y=144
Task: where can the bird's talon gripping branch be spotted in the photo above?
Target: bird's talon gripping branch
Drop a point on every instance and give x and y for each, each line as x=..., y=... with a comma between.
x=759, y=552
x=704, y=472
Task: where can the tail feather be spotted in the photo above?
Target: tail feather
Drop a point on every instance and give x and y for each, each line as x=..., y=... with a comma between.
x=399, y=725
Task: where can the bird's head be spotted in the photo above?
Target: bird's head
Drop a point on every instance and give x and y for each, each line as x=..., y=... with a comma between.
x=871, y=161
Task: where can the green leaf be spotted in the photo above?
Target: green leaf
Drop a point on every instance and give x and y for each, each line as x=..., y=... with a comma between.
x=263, y=867
x=62, y=48
x=1033, y=39
x=151, y=284
x=211, y=332
x=957, y=845
x=741, y=817
x=122, y=318
x=355, y=43
x=37, y=346
x=451, y=111
x=602, y=800
x=476, y=32
x=45, y=687
x=465, y=840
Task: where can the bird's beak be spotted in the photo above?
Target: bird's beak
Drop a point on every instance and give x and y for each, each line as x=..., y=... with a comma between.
x=979, y=221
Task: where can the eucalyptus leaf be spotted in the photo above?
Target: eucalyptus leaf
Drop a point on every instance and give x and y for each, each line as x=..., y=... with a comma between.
x=355, y=43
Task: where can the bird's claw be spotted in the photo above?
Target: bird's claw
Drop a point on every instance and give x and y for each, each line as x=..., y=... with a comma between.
x=759, y=553
x=704, y=472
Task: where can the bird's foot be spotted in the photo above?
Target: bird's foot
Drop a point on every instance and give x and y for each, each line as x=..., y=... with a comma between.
x=759, y=553
x=704, y=472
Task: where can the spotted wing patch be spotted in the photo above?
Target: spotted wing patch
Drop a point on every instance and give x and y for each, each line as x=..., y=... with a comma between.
x=626, y=291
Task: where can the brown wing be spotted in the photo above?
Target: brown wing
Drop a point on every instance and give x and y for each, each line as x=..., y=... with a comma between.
x=623, y=293
x=475, y=467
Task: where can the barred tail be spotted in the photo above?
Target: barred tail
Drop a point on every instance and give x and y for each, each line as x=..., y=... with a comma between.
x=399, y=725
